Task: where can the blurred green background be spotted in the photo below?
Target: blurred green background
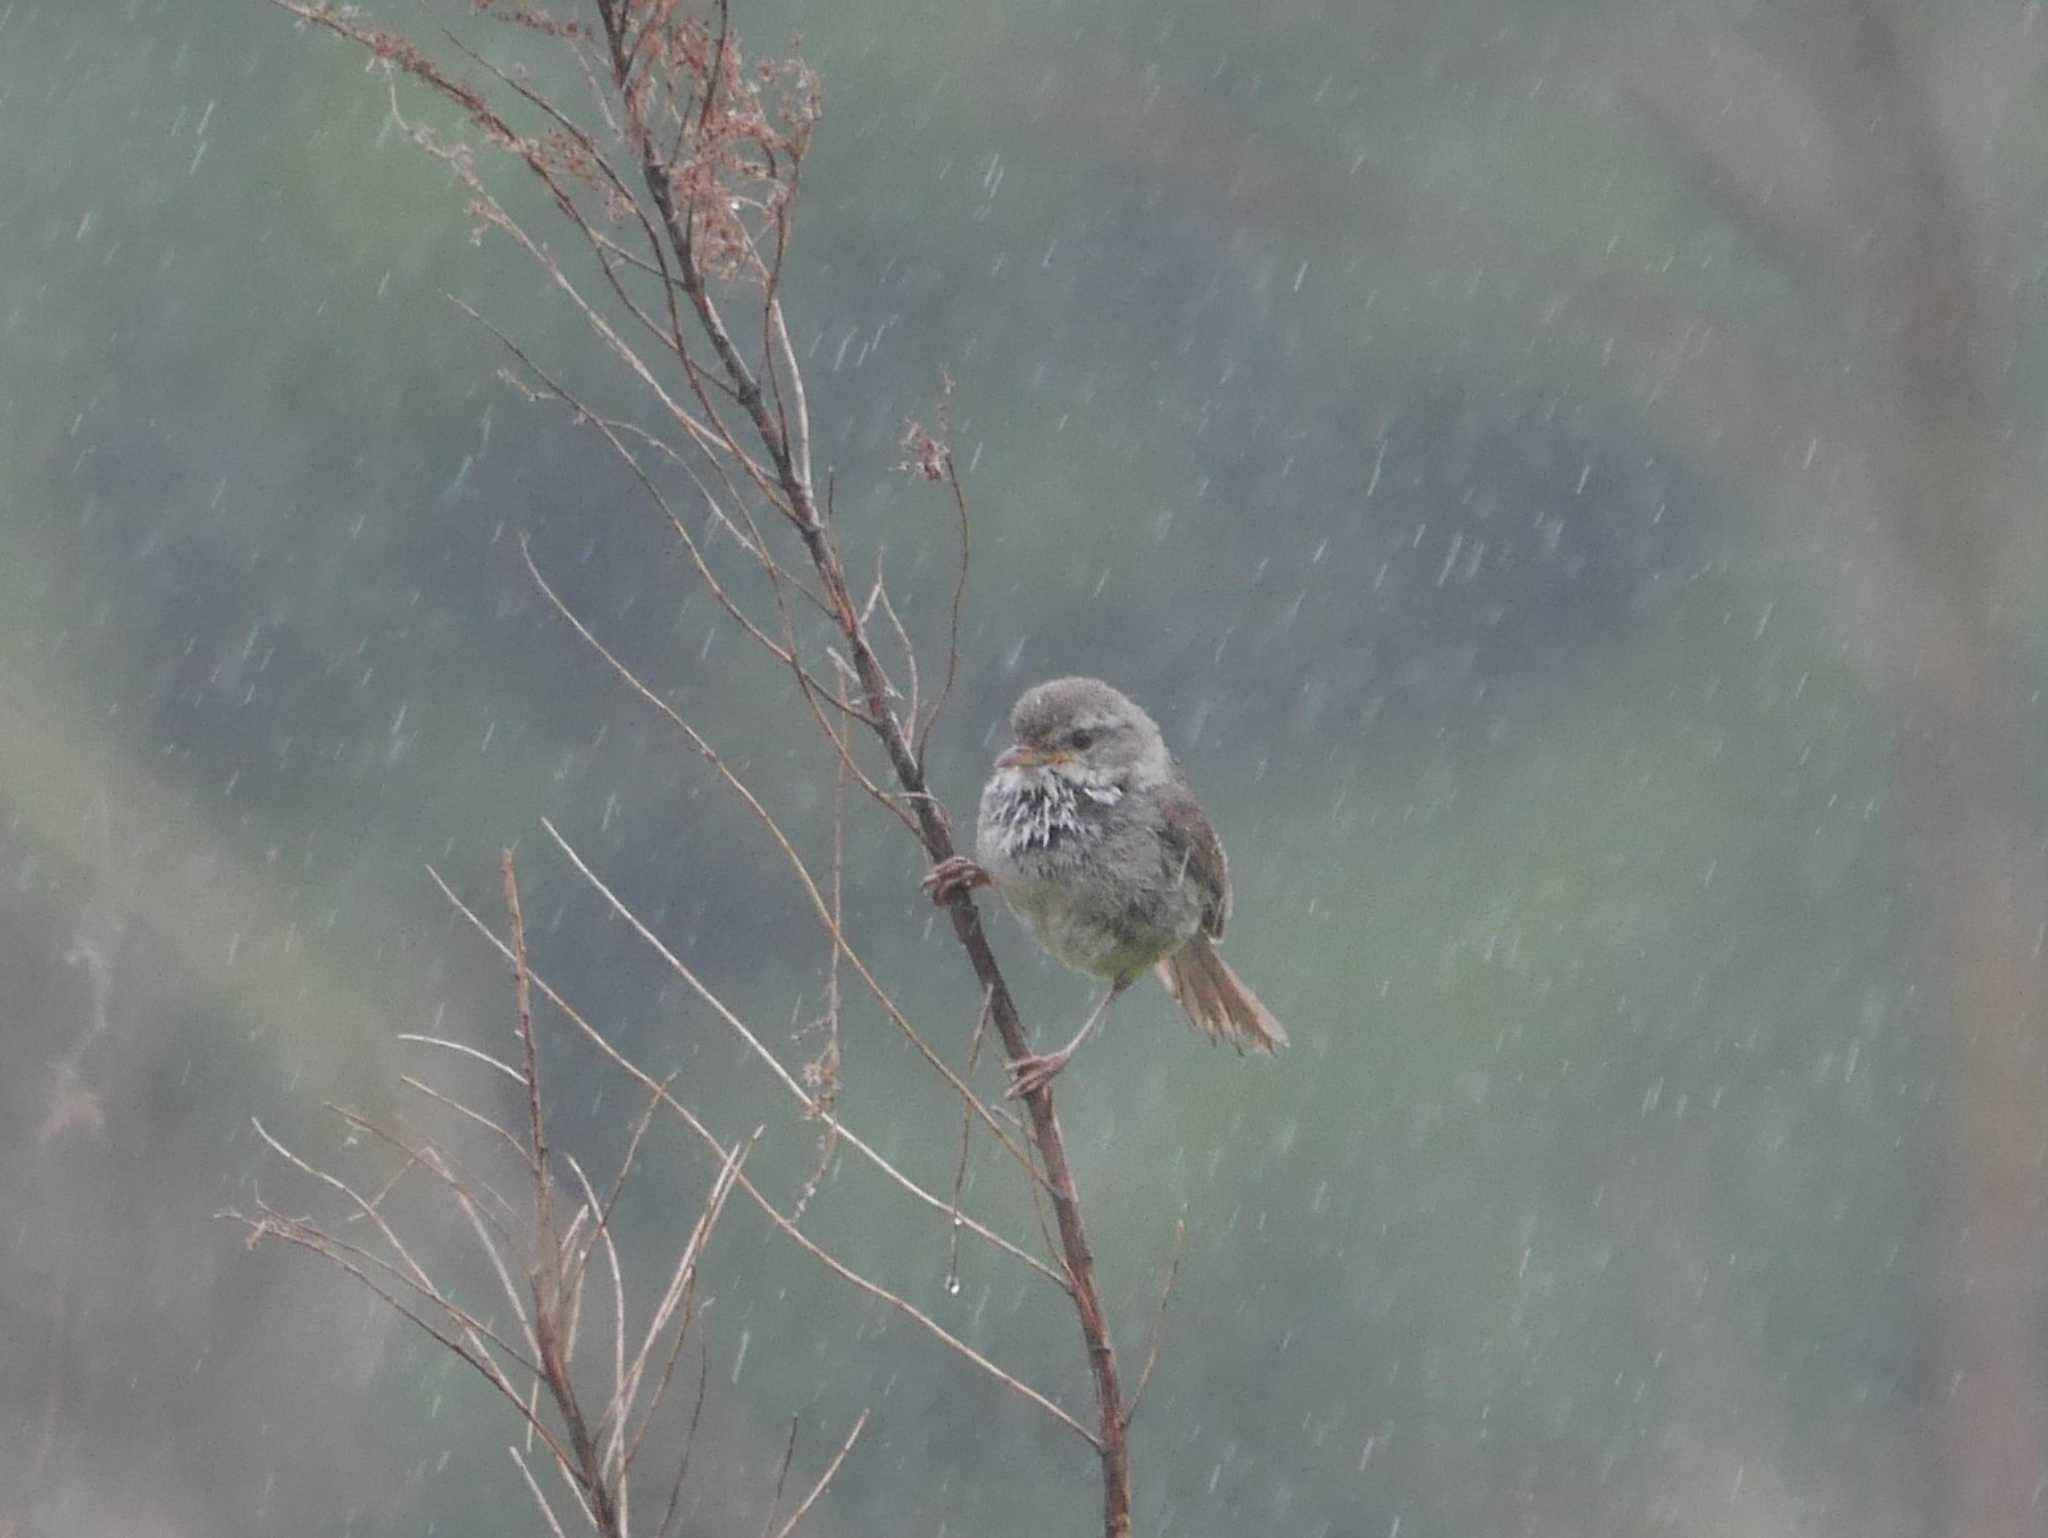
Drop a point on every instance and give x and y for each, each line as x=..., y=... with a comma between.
x=1560, y=473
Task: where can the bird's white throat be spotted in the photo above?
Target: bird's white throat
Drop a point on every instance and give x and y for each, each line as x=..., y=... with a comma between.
x=1034, y=808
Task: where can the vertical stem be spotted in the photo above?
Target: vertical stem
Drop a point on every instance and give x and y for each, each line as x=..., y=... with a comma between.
x=790, y=465
x=551, y=1300
x=1078, y=1257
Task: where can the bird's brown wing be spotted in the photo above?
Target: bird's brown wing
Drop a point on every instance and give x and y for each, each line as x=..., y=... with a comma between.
x=1192, y=845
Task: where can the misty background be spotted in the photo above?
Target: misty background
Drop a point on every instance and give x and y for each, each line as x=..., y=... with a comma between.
x=1562, y=474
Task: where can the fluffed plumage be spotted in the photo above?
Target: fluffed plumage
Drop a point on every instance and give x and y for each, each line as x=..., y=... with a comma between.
x=1092, y=835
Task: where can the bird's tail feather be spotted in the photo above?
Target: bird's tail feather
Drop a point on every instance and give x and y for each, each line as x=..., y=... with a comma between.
x=1216, y=1001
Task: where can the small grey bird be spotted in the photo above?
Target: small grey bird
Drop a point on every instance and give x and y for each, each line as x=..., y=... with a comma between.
x=1091, y=834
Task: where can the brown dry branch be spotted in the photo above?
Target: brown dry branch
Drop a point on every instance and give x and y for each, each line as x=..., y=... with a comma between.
x=680, y=191
x=1157, y=1337
x=541, y=1266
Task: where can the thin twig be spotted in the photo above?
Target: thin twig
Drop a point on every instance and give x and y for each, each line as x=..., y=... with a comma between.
x=522, y=994
x=782, y=1478
x=533, y=1488
x=824, y=1479
x=466, y=1050
x=615, y=1408
x=1156, y=1336
x=684, y=1274
x=618, y=1189
x=960, y=1168
x=953, y=609
x=826, y=1066
x=675, y=1494
x=668, y=1368
x=555, y=1301
x=460, y=1109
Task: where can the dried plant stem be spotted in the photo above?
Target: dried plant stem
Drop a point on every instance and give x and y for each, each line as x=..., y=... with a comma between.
x=695, y=190
x=1158, y=1333
x=593, y=1453
x=803, y=1507
x=797, y=496
x=798, y=501
x=553, y=1310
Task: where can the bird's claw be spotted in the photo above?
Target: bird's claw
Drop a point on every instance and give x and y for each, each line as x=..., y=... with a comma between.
x=1034, y=1071
x=950, y=877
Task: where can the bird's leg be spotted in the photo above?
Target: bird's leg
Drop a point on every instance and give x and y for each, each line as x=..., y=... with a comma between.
x=950, y=877
x=1036, y=1070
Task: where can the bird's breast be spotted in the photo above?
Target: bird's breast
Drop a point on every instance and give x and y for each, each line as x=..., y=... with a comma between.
x=1026, y=812
x=1080, y=865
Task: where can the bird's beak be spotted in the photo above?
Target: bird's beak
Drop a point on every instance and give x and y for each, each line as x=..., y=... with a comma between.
x=1021, y=757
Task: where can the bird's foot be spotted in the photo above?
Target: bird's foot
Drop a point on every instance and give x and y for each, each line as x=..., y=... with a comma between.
x=948, y=878
x=1035, y=1070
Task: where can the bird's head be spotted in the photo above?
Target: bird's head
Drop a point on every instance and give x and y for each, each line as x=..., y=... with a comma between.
x=1086, y=733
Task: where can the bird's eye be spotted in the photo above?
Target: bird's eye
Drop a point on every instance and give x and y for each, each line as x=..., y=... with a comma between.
x=1082, y=741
